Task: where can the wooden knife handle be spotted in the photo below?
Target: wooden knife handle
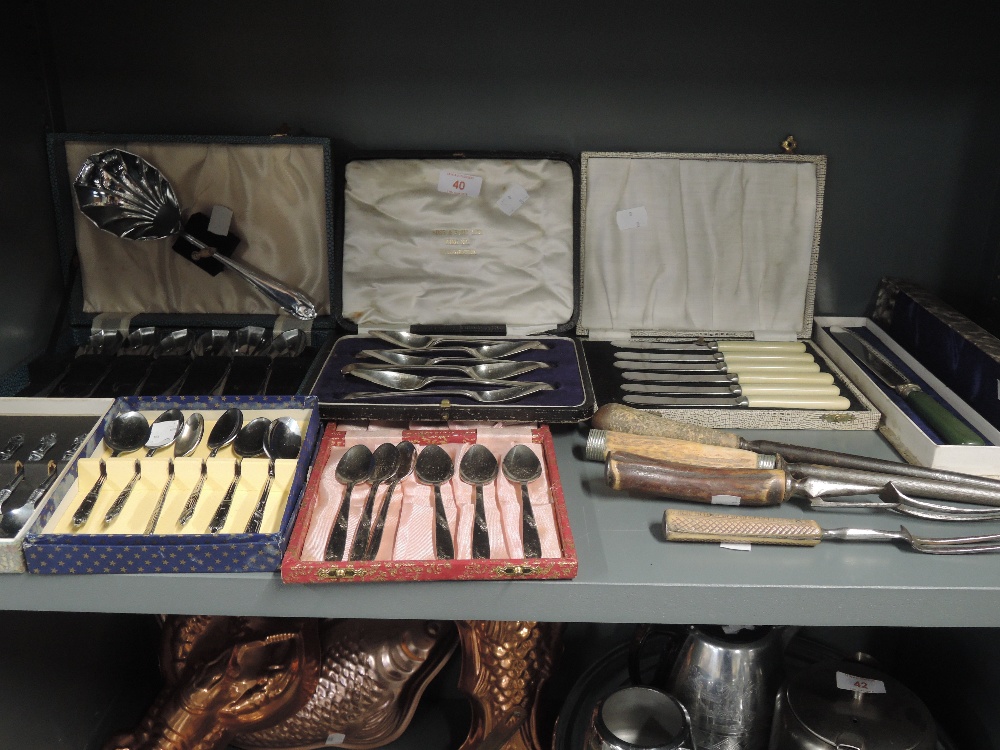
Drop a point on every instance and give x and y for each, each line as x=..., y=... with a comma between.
x=694, y=526
x=600, y=443
x=753, y=487
x=621, y=418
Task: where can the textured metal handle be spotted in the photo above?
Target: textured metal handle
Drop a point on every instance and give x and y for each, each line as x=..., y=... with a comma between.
x=291, y=300
x=530, y=543
x=123, y=496
x=192, y=500
x=364, y=525
x=692, y=526
x=222, y=512
x=480, y=531
x=253, y=525
x=338, y=534
x=151, y=525
x=87, y=506
x=375, y=541
x=444, y=545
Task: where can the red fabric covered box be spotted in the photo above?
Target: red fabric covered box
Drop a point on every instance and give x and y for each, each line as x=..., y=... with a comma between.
x=407, y=548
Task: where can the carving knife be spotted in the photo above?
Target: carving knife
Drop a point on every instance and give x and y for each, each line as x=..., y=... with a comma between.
x=624, y=419
x=950, y=427
x=732, y=389
x=693, y=345
x=827, y=403
x=746, y=378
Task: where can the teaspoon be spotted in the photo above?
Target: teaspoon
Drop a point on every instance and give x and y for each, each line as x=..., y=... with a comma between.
x=354, y=466
x=401, y=357
x=126, y=433
x=478, y=467
x=521, y=466
x=385, y=459
x=435, y=467
x=162, y=432
x=249, y=443
x=188, y=439
x=417, y=341
x=223, y=433
x=404, y=381
x=490, y=396
x=14, y=517
x=493, y=370
x=283, y=440
x=407, y=458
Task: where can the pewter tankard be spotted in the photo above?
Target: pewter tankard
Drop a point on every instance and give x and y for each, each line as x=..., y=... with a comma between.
x=639, y=718
x=728, y=680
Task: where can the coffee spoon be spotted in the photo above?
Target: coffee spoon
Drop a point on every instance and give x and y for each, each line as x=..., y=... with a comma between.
x=407, y=458
x=478, y=467
x=162, y=432
x=249, y=443
x=494, y=369
x=404, y=381
x=354, y=466
x=127, y=433
x=190, y=436
x=521, y=466
x=435, y=467
x=493, y=396
x=223, y=433
x=385, y=459
x=283, y=440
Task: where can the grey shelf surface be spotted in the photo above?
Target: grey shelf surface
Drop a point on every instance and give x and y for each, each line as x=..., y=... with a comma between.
x=627, y=573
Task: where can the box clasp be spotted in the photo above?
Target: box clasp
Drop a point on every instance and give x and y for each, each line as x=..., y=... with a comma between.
x=516, y=571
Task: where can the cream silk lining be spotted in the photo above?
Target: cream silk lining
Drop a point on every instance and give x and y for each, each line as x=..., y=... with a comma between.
x=415, y=255
x=278, y=196
x=726, y=245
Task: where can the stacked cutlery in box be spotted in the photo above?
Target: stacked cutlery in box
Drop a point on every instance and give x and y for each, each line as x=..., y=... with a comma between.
x=387, y=504
x=394, y=374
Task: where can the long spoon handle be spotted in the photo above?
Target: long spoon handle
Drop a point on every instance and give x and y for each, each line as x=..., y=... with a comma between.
x=529, y=527
x=222, y=512
x=87, y=506
x=192, y=500
x=338, y=535
x=375, y=540
x=153, y=519
x=253, y=525
x=364, y=526
x=444, y=546
x=480, y=532
x=119, y=503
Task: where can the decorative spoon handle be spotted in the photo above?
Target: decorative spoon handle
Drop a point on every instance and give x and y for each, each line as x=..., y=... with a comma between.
x=529, y=527
x=87, y=506
x=222, y=512
x=443, y=544
x=253, y=525
x=480, y=532
x=192, y=500
x=119, y=503
x=375, y=539
x=151, y=526
x=338, y=535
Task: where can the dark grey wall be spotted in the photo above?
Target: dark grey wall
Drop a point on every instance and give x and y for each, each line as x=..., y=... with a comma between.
x=903, y=104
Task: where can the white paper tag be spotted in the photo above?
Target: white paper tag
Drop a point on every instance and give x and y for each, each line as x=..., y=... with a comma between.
x=859, y=684
x=632, y=218
x=161, y=433
x=734, y=629
x=725, y=500
x=457, y=183
x=738, y=546
x=515, y=197
x=335, y=739
x=219, y=221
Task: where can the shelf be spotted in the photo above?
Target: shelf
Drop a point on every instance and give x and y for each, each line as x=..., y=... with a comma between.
x=627, y=573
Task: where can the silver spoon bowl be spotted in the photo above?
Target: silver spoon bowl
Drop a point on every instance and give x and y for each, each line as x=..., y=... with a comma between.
x=407, y=458
x=283, y=440
x=402, y=358
x=165, y=429
x=521, y=466
x=495, y=350
x=417, y=341
x=385, y=460
x=223, y=433
x=492, y=396
x=187, y=441
x=405, y=381
x=500, y=369
x=478, y=467
x=127, y=432
x=354, y=466
x=435, y=467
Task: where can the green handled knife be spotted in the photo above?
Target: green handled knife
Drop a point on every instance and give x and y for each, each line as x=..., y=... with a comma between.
x=951, y=429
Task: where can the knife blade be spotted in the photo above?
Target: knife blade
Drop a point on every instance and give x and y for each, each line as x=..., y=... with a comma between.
x=732, y=389
x=805, y=378
x=949, y=427
x=706, y=344
x=827, y=403
x=716, y=367
x=665, y=356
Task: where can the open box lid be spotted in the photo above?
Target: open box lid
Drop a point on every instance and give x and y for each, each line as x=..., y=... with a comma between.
x=279, y=190
x=458, y=243
x=699, y=244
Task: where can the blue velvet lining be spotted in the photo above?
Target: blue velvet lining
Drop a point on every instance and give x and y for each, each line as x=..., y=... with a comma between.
x=563, y=372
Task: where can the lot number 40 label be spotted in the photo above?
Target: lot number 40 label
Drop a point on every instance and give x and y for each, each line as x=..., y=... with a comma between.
x=457, y=183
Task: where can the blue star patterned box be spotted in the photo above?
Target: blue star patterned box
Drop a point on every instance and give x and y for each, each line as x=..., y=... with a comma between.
x=181, y=485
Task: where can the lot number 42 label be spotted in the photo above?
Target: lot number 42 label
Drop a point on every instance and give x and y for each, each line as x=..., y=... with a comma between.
x=859, y=684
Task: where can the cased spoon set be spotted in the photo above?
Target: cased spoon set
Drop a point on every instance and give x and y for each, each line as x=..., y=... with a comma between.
x=431, y=466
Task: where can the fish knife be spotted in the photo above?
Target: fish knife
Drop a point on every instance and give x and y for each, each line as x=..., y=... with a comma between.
x=951, y=429
x=717, y=367
x=745, y=378
x=706, y=345
x=827, y=403
x=732, y=389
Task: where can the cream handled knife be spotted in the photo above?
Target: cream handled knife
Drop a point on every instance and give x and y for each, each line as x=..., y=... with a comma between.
x=825, y=403
x=949, y=426
x=726, y=389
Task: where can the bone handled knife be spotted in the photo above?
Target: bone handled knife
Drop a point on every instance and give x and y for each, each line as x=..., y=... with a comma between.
x=826, y=403
x=740, y=357
x=759, y=367
x=701, y=345
x=732, y=389
x=950, y=427
x=777, y=377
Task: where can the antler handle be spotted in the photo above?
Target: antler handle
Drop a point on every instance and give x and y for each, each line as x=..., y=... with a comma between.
x=693, y=526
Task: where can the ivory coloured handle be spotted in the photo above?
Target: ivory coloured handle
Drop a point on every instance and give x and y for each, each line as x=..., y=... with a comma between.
x=694, y=526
